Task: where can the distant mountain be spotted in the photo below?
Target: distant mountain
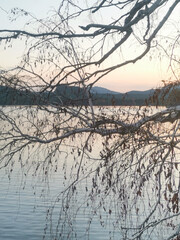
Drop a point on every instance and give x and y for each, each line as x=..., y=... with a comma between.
x=12, y=96
x=101, y=90
x=63, y=95
x=72, y=95
x=69, y=95
x=103, y=96
x=146, y=92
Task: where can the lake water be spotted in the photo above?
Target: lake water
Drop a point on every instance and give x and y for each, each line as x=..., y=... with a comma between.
x=24, y=202
x=31, y=206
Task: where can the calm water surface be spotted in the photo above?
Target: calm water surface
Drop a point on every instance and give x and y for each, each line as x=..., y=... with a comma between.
x=24, y=202
x=23, y=209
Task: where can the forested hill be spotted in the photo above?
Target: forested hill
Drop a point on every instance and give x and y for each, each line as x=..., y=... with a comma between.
x=102, y=96
x=71, y=95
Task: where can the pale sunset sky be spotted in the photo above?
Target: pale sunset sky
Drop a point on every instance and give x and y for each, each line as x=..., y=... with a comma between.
x=145, y=74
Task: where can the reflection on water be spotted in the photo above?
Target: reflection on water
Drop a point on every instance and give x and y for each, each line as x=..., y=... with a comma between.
x=27, y=195
x=23, y=210
x=22, y=215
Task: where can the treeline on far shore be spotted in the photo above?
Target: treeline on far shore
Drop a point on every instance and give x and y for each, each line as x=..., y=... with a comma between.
x=73, y=95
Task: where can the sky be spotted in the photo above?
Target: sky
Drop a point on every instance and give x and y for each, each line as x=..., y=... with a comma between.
x=146, y=74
